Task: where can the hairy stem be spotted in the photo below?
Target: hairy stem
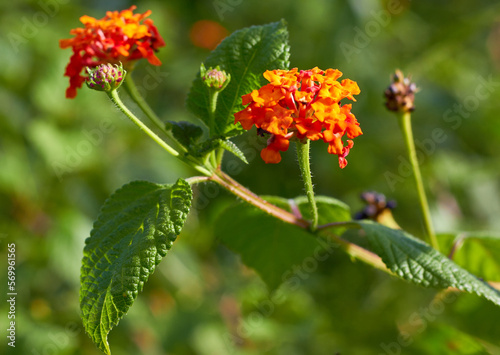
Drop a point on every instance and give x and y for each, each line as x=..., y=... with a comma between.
x=197, y=179
x=305, y=170
x=212, y=107
x=220, y=155
x=248, y=196
x=405, y=123
x=113, y=95
x=242, y=192
x=134, y=93
x=359, y=253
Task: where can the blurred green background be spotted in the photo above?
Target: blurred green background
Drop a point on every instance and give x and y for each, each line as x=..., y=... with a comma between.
x=60, y=159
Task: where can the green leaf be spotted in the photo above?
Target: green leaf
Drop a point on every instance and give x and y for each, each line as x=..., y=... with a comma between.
x=205, y=147
x=185, y=132
x=276, y=250
x=329, y=209
x=246, y=55
x=233, y=148
x=478, y=252
x=136, y=227
x=417, y=262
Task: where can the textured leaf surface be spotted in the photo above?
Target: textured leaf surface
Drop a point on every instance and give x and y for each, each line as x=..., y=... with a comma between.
x=478, y=252
x=233, y=148
x=273, y=248
x=245, y=54
x=136, y=227
x=185, y=132
x=205, y=147
x=417, y=262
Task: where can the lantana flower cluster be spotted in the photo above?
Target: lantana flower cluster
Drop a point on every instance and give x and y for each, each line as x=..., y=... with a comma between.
x=120, y=36
x=302, y=105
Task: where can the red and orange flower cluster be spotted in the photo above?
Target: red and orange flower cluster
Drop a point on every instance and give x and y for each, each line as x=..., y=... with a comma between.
x=303, y=104
x=118, y=37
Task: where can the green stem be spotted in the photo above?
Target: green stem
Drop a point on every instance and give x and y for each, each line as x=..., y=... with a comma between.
x=212, y=107
x=359, y=253
x=242, y=192
x=215, y=156
x=197, y=179
x=220, y=155
x=335, y=224
x=213, y=159
x=113, y=95
x=405, y=123
x=131, y=89
x=305, y=170
x=248, y=196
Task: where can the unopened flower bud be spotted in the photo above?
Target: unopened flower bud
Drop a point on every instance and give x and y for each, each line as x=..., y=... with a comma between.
x=214, y=78
x=376, y=203
x=106, y=77
x=400, y=94
x=378, y=209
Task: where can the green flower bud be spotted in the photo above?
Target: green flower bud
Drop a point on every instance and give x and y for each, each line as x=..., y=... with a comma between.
x=106, y=77
x=214, y=78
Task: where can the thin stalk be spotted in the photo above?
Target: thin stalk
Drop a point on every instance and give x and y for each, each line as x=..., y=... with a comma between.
x=197, y=179
x=248, y=196
x=405, y=124
x=212, y=107
x=305, y=170
x=113, y=95
x=131, y=89
x=213, y=159
x=333, y=225
x=360, y=253
x=220, y=155
x=242, y=192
